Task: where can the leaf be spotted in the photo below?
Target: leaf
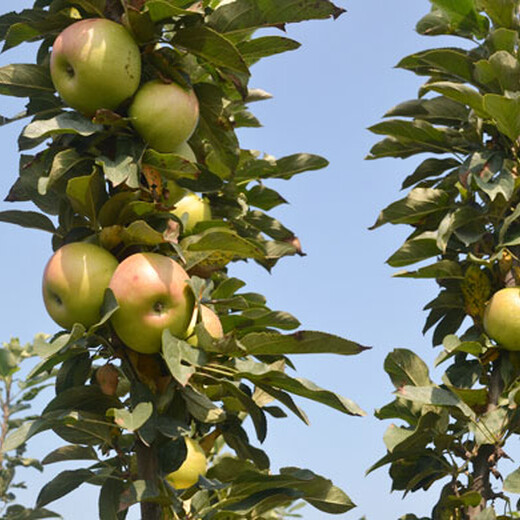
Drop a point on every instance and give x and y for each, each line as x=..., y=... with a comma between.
x=461, y=93
x=302, y=342
x=436, y=396
x=131, y=420
x=252, y=14
x=257, y=48
x=28, y=429
x=268, y=376
x=512, y=482
x=415, y=250
x=141, y=233
x=162, y=9
x=212, y=46
x=172, y=352
x=501, y=12
x=71, y=452
x=463, y=16
x=24, y=80
x=170, y=165
x=87, y=194
x=466, y=222
x=110, y=499
x=28, y=219
x=506, y=113
x=406, y=368
x=61, y=485
x=442, y=270
x=64, y=123
x=201, y=407
x=418, y=204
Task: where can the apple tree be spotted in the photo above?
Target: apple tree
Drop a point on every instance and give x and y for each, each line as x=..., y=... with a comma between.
x=165, y=365
x=463, y=206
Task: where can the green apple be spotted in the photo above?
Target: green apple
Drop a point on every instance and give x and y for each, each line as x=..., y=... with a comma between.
x=74, y=283
x=164, y=114
x=153, y=294
x=195, y=209
x=95, y=63
x=211, y=323
x=502, y=318
x=195, y=464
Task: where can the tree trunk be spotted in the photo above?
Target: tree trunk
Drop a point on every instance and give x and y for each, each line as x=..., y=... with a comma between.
x=147, y=467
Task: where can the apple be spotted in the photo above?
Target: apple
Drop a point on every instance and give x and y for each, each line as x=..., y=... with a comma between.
x=95, y=63
x=195, y=208
x=194, y=465
x=502, y=318
x=185, y=151
x=74, y=283
x=211, y=323
x=107, y=378
x=153, y=294
x=164, y=114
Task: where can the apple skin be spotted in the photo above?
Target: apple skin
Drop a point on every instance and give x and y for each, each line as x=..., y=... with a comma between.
x=74, y=283
x=153, y=295
x=211, y=323
x=165, y=115
x=193, y=466
x=95, y=63
x=197, y=209
x=502, y=318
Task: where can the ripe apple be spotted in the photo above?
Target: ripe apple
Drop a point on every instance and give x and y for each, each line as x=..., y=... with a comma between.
x=95, y=63
x=74, y=283
x=164, y=114
x=196, y=208
x=502, y=318
x=153, y=295
x=191, y=469
x=211, y=323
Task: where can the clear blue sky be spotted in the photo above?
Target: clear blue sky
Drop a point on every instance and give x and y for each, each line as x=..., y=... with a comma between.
x=325, y=96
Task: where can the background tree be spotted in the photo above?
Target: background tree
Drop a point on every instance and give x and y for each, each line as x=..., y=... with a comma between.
x=119, y=205
x=462, y=205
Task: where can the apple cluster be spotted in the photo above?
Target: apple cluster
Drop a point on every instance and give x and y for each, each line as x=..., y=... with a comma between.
x=96, y=64
x=152, y=291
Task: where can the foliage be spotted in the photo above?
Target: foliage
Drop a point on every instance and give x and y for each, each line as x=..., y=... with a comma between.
x=16, y=396
x=463, y=206
x=95, y=180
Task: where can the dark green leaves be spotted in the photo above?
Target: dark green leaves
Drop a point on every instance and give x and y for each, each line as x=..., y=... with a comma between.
x=24, y=80
x=28, y=219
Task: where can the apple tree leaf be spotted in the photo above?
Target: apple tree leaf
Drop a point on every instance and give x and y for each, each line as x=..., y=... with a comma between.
x=28, y=219
x=87, y=194
x=62, y=484
x=257, y=48
x=133, y=420
x=24, y=80
x=170, y=165
x=70, y=452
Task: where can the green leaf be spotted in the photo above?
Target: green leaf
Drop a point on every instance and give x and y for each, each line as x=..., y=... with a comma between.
x=24, y=80
x=64, y=161
x=506, y=113
x=436, y=396
x=439, y=110
x=463, y=16
x=87, y=194
x=512, y=482
x=61, y=485
x=461, y=93
x=418, y=204
x=212, y=46
x=17, y=437
x=65, y=123
x=170, y=165
x=415, y=250
x=257, y=48
x=8, y=363
x=141, y=233
x=162, y=9
x=173, y=353
x=121, y=170
x=501, y=12
x=110, y=499
x=133, y=420
x=265, y=375
x=466, y=222
x=406, y=368
x=264, y=198
x=201, y=407
x=302, y=342
x=442, y=270
x=253, y=14
x=71, y=452
x=28, y=219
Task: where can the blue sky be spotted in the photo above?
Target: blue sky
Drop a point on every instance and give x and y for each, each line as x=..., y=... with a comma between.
x=325, y=96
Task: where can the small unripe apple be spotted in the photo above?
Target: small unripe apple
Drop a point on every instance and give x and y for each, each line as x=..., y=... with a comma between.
x=95, y=63
x=211, y=323
x=164, y=114
x=153, y=295
x=74, y=283
x=502, y=318
x=194, y=466
x=195, y=208
x=107, y=378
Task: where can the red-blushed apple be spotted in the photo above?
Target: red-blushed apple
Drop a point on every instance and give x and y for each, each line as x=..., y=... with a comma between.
x=74, y=283
x=195, y=465
x=95, y=63
x=195, y=208
x=211, y=323
x=502, y=318
x=153, y=294
x=165, y=115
